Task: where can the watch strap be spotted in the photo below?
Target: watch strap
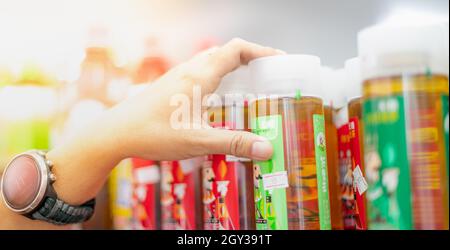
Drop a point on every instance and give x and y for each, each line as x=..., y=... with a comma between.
x=60, y=213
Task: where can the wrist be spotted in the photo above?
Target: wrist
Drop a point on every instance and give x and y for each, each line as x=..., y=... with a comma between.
x=83, y=163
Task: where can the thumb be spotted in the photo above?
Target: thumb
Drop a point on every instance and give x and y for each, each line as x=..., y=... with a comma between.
x=237, y=143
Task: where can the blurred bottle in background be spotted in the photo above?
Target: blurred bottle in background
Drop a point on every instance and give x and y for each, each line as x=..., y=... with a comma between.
x=120, y=186
x=181, y=194
x=153, y=64
x=355, y=129
x=329, y=86
x=27, y=110
x=28, y=104
x=405, y=91
x=89, y=97
x=146, y=194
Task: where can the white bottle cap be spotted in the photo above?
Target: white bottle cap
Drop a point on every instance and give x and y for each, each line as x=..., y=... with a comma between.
x=333, y=87
x=353, y=78
x=387, y=50
x=339, y=89
x=236, y=82
x=326, y=85
x=445, y=29
x=285, y=75
x=98, y=36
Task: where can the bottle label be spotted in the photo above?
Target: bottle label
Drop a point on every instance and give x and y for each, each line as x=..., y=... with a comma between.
x=232, y=158
x=360, y=183
x=427, y=163
x=322, y=172
x=146, y=178
x=346, y=178
x=270, y=204
x=120, y=188
x=177, y=197
x=275, y=180
x=446, y=121
x=386, y=164
x=220, y=194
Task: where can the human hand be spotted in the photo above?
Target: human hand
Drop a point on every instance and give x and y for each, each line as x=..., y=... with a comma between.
x=141, y=126
x=143, y=123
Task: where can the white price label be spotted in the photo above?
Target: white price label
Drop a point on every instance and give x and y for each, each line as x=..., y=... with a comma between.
x=275, y=180
x=232, y=158
x=147, y=175
x=359, y=181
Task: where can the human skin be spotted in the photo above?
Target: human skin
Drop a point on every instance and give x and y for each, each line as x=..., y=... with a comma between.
x=140, y=127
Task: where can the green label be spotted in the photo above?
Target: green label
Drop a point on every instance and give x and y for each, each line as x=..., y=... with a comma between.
x=445, y=119
x=386, y=164
x=270, y=178
x=322, y=172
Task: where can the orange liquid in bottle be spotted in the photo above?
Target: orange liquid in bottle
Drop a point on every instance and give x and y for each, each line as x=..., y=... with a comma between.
x=299, y=157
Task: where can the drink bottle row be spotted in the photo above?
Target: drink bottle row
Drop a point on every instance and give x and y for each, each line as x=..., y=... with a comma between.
x=363, y=147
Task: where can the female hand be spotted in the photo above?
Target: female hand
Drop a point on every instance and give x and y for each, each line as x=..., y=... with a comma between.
x=141, y=126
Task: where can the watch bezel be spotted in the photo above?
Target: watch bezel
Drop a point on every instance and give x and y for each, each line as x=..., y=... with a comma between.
x=43, y=170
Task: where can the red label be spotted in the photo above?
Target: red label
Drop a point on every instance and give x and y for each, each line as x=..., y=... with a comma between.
x=346, y=178
x=355, y=145
x=177, y=197
x=146, y=177
x=220, y=194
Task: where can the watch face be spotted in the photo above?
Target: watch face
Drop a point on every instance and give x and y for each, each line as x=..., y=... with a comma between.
x=21, y=182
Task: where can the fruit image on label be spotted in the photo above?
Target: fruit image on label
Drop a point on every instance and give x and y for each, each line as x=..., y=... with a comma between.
x=220, y=194
x=322, y=172
x=386, y=164
x=270, y=204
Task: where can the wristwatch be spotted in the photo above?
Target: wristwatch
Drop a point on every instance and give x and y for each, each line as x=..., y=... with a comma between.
x=27, y=189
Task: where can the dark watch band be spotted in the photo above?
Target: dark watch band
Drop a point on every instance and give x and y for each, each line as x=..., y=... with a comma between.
x=60, y=213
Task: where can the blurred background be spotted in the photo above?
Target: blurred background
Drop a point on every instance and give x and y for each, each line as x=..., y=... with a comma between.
x=62, y=62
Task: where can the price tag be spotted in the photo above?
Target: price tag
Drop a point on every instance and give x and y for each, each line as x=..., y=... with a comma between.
x=275, y=180
x=359, y=181
x=231, y=158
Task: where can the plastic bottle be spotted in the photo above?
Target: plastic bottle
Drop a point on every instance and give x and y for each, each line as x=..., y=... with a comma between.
x=180, y=195
x=405, y=90
x=355, y=128
x=328, y=92
x=146, y=194
x=120, y=187
x=228, y=201
x=153, y=65
x=97, y=69
x=291, y=189
x=340, y=120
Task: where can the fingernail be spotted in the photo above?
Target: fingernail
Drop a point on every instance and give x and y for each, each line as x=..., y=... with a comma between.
x=261, y=149
x=281, y=52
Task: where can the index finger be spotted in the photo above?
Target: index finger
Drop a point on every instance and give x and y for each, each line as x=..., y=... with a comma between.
x=235, y=53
